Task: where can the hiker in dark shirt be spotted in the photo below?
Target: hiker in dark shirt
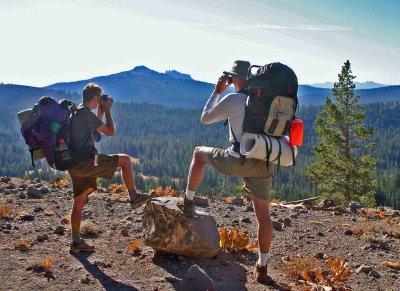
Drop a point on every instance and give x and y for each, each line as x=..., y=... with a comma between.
x=94, y=165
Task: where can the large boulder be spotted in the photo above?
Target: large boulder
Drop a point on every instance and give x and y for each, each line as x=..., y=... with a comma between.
x=167, y=230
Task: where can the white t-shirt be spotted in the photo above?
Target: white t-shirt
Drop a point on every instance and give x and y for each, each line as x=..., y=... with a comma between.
x=231, y=107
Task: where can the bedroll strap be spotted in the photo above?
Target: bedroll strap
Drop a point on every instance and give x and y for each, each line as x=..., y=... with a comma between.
x=294, y=159
x=33, y=163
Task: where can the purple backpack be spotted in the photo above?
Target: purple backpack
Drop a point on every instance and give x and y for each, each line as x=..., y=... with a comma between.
x=47, y=126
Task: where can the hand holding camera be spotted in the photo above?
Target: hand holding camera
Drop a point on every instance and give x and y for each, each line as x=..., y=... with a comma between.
x=106, y=103
x=223, y=82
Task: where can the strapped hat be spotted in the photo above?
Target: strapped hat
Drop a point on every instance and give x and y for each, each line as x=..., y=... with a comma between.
x=239, y=69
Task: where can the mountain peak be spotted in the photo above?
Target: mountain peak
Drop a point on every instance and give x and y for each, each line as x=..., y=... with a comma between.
x=141, y=69
x=178, y=75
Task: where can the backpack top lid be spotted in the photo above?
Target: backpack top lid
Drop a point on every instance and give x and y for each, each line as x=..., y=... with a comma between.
x=277, y=79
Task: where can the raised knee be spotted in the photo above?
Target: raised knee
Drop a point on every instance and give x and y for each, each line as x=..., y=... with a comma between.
x=124, y=161
x=198, y=154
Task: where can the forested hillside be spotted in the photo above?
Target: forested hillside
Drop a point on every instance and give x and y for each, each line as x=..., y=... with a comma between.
x=163, y=140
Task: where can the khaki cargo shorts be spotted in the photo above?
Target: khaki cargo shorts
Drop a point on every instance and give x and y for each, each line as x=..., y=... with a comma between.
x=256, y=176
x=84, y=175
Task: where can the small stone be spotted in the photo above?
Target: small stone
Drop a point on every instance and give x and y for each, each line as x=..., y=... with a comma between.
x=374, y=274
x=249, y=208
x=44, y=190
x=364, y=269
x=108, y=200
x=274, y=214
x=286, y=221
x=370, y=246
x=33, y=192
x=353, y=206
x=246, y=220
x=38, y=209
x=235, y=221
x=326, y=203
x=60, y=230
x=320, y=233
x=348, y=232
x=129, y=218
x=231, y=208
x=27, y=218
x=22, y=196
x=303, y=211
x=42, y=237
x=86, y=213
x=125, y=232
x=37, y=180
x=85, y=280
x=38, y=185
x=293, y=215
x=277, y=225
x=6, y=225
x=5, y=179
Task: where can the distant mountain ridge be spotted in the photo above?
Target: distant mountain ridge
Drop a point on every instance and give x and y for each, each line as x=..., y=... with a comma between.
x=171, y=89
x=359, y=85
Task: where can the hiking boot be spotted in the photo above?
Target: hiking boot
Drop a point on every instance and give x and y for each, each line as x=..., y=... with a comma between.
x=142, y=198
x=188, y=207
x=261, y=275
x=81, y=247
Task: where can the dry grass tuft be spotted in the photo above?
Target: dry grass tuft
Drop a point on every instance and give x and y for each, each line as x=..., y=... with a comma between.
x=88, y=229
x=168, y=191
x=21, y=245
x=377, y=227
x=297, y=266
x=66, y=219
x=234, y=241
x=7, y=212
x=49, y=213
x=392, y=265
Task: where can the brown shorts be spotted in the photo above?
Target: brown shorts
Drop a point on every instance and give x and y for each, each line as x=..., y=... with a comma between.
x=257, y=177
x=84, y=175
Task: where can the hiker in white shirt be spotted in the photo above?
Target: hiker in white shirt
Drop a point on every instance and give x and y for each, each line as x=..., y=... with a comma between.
x=257, y=177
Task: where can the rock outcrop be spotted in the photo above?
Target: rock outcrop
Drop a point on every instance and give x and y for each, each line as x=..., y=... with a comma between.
x=166, y=229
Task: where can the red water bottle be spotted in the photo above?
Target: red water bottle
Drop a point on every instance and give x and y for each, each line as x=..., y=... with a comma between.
x=296, y=132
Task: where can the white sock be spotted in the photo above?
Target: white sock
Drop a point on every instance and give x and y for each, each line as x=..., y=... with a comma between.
x=189, y=194
x=262, y=258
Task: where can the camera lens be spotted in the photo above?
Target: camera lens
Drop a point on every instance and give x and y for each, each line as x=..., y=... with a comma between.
x=230, y=79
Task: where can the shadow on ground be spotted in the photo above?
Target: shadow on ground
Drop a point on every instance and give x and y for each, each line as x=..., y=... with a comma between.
x=106, y=281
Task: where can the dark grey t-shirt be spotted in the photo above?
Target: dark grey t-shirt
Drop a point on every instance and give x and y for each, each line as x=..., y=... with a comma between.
x=83, y=123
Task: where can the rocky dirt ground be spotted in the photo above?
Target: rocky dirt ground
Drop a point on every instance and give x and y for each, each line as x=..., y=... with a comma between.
x=34, y=227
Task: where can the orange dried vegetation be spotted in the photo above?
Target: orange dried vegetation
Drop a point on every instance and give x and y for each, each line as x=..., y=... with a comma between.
x=46, y=265
x=168, y=191
x=335, y=279
x=234, y=241
x=49, y=213
x=135, y=246
x=6, y=212
x=392, y=265
x=21, y=245
x=59, y=182
x=116, y=188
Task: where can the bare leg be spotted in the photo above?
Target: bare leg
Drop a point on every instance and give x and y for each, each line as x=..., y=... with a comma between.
x=196, y=171
x=76, y=213
x=124, y=162
x=261, y=208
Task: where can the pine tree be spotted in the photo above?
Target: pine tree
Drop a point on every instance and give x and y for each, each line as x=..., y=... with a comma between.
x=344, y=168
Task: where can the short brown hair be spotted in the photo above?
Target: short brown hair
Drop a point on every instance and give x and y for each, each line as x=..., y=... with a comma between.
x=91, y=90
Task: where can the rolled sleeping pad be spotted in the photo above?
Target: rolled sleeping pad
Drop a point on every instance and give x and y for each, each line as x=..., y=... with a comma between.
x=23, y=116
x=253, y=146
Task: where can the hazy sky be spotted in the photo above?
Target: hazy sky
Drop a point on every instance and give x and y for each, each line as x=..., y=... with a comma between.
x=43, y=42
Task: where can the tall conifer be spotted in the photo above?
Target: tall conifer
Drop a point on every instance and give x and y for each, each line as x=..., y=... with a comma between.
x=344, y=168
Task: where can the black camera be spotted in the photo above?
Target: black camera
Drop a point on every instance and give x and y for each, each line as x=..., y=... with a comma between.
x=230, y=79
x=104, y=98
